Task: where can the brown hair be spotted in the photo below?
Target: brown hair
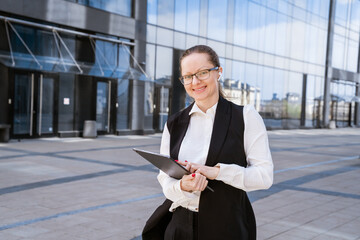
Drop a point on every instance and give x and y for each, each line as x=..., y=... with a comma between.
x=213, y=58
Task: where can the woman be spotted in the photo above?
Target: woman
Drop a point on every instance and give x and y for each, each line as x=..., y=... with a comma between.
x=224, y=146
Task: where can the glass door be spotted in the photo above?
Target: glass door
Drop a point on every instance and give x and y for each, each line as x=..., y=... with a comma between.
x=23, y=104
x=45, y=105
x=34, y=101
x=103, y=106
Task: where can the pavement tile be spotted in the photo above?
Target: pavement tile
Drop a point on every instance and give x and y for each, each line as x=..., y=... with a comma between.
x=317, y=202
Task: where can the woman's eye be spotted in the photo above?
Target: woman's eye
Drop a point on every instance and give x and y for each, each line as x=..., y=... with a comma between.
x=202, y=73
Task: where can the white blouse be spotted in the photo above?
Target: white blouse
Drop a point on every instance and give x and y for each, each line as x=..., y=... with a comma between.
x=195, y=146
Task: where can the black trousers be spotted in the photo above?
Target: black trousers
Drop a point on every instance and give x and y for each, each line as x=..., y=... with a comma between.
x=183, y=225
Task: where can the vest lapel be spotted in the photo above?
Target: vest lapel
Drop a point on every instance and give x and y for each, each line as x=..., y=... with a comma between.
x=178, y=131
x=220, y=130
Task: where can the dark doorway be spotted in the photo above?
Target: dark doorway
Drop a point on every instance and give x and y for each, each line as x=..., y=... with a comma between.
x=34, y=111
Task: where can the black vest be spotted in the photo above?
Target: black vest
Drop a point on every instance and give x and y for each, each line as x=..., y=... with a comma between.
x=227, y=212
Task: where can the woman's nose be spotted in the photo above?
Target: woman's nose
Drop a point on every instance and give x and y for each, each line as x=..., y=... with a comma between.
x=195, y=80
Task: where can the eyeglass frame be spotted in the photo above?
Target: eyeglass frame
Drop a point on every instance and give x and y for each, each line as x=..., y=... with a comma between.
x=192, y=75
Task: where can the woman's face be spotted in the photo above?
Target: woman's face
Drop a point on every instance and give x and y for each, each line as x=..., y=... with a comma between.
x=201, y=90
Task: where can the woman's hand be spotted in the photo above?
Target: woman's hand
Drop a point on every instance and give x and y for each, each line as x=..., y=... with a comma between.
x=208, y=172
x=193, y=182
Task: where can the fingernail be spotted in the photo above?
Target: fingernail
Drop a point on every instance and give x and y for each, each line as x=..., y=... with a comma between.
x=176, y=160
x=193, y=175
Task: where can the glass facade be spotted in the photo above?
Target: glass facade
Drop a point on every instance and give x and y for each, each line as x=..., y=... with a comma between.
x=31, y=49
x=273, y=52
x=281, y=56
x=121, y=7
x=346, y=35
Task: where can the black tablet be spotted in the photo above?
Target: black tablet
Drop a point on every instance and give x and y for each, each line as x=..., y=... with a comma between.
x=164, y=163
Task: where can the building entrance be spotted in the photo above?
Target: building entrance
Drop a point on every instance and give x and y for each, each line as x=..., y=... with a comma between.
x=34, y=101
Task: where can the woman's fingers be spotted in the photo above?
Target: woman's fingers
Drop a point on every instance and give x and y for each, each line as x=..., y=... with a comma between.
x=200, y=182
x=193, y=182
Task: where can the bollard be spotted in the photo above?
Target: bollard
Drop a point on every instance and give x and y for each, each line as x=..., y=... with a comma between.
x=90, y=129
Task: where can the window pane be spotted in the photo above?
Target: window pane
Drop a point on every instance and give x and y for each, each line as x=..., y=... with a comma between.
x=106, y=54
x=124, y=57
x=122, y=121
x=240, y=21
x=352, y=56
x=341, y=11
x=166, y=13
x=355, y=16
x=217, y=21
x=270, y=31
x=163, y=63
x=281, y=37
x=297, y=39
x=122, y=7
x=253, y=24
x=150, y=60
x=152, y=11
x=338, y=51
x=193, y=11
x=180, y=15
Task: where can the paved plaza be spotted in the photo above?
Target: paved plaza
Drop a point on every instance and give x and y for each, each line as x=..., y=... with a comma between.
x=76, y=188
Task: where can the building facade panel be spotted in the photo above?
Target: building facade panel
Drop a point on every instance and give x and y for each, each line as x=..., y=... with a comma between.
x=116, y=62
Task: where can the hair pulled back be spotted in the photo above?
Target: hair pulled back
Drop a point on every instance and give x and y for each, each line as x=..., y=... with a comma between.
x=213, y=58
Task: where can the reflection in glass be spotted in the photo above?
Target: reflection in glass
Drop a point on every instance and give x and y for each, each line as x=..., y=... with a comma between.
x=342, y=105
x=281, y=38
x=163, y=63
x=122, y=121
x=46, y=105
x=106, y=53
x=148, y=105
x=217, y=20
x=253, y=25
x=293, y=98
x=152, y=11
x=297, y=39
x=22, y=104
x=311, y=44
x=355, y=13
x=166, y=13
x=102, y=106
x=180, y=15
x=338, y=51
x=240, y=22
x=270, y=31
x=193, y=17
x=150, y=60
x=124, y=57
x=341, y=12
x=352, y=56
x=122, y=7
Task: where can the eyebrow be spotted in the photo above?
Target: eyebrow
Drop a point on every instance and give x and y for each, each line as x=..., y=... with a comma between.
x=200, y=69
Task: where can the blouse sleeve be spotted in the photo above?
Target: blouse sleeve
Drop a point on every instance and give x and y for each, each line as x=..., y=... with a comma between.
x=259, y=172
x=171, y=186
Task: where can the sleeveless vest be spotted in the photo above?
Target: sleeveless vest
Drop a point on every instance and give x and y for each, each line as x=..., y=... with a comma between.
x=225, y=213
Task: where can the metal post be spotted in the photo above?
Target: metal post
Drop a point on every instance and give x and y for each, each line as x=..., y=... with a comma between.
x=303, y=102
x=328, y=64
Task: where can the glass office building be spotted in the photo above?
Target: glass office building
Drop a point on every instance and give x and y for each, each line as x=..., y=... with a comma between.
x=116, y=62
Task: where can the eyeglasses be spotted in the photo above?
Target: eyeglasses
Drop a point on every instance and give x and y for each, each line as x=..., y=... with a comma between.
x=201, y=75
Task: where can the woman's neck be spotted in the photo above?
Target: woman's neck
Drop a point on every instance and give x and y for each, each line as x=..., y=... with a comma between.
x=204, y=105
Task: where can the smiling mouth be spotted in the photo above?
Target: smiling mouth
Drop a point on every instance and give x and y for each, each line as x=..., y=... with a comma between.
x=199, y=89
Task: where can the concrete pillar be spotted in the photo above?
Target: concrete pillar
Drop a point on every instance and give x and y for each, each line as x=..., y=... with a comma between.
x=138, y=86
